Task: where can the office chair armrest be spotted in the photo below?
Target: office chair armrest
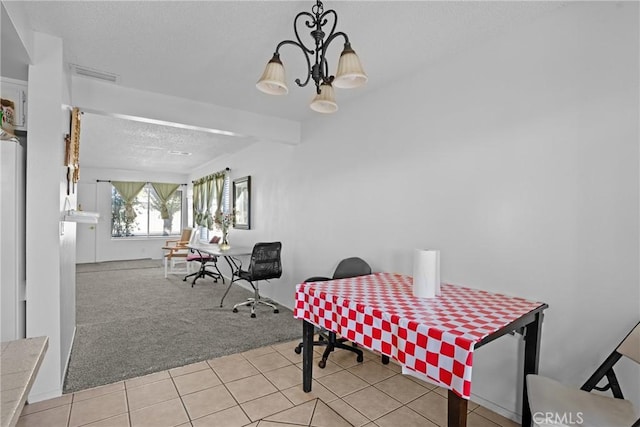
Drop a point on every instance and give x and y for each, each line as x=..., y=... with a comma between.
x=317, y=279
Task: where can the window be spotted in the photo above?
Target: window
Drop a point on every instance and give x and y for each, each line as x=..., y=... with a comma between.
x=148, y=221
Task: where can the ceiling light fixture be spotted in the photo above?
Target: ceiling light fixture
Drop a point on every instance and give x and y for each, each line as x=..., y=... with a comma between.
x=349, y=75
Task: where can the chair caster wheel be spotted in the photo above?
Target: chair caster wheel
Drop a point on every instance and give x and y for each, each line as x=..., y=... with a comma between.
x=359, y=359
x=276, y=311
x=322, y=364
x=253, y=315
x=235, y=310
x=184, y=280
x=298, y=350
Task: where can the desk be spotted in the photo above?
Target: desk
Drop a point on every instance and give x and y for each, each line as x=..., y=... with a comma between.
x=229, y=256
x=433, y=337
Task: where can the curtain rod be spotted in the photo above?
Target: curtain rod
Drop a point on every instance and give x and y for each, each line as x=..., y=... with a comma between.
x=224, y=170
x=148, y=182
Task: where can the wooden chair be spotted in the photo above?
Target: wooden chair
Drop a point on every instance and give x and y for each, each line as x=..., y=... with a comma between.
x=177, y=251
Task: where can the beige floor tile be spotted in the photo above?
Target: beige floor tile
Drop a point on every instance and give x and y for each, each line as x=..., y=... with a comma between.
x=342, y=383
x=98, y=408
x=325, y=416
x=165, y=414
x=269, y=362
x=372, y=403
x=232, y=417
x=401, y=388
x=371, y=372
x=285, y=377
x=344, y=358
x=267, y=405
x=137, y=382
x=291, y=355
x=97, y=391
x=425, y=384
x=257, y=352
x=300, y=414
x=296, y=395
x=121, y=420
x=431, y=406
x=496, y=418
x=196, y=381
x=287, y=347
x=176, y=372
x=476, y=420
x=224, y=360
x=404, y=417
x=250, y=388
x=150, y=394
x=354, y=417
x=53, y=417
x=330, y=368
x=47, y=404
x=233, y=369
x=208, y=401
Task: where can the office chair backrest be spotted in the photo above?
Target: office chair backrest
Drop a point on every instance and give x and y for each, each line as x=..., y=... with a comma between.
x=265, y=261
x=351, y=267
x=630, y=346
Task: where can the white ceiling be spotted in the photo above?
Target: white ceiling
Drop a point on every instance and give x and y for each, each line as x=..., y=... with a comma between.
x=214, y=51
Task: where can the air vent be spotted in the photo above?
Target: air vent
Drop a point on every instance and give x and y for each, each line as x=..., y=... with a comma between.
x=94, y=74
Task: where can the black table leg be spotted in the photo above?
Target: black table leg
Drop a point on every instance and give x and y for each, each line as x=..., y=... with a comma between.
x=531, y=358
x=307, y=355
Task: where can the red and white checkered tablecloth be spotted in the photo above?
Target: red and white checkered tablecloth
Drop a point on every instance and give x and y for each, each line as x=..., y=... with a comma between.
x=432, y=336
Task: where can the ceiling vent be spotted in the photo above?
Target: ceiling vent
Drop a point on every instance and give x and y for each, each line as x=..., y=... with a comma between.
x=82, y=71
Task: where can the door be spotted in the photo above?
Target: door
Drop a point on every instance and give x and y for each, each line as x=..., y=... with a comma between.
x=86, y=233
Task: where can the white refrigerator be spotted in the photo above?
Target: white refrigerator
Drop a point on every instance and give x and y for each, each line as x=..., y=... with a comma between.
x=12, y=238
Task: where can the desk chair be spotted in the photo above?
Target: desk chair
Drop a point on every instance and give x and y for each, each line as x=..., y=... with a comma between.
x=265, y=264
x=348, y=267
x=553, y=404
x=178, y=250
x=205, y=260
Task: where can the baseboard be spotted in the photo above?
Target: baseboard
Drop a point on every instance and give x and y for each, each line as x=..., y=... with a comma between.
x=66, y=363
x=33, y=398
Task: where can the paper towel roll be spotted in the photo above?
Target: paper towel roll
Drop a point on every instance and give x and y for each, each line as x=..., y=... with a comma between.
x=426, y=273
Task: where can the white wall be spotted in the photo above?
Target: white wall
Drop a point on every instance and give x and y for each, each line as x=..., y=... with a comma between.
x=50, y=278
x=518, y=160
x=108, y=249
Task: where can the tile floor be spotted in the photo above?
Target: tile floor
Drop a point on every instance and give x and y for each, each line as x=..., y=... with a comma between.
x=261, y=387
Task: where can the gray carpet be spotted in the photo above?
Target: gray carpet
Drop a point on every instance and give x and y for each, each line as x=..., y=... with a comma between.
x=131, y=321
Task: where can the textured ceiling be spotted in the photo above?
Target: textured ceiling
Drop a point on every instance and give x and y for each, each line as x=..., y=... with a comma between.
x=214, y=51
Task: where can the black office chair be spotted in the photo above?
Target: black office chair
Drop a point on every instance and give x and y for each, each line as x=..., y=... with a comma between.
x=348, y=267
x=205, y=261
x=265, y=264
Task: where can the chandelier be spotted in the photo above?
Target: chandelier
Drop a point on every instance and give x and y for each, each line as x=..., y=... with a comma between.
x=349, y=74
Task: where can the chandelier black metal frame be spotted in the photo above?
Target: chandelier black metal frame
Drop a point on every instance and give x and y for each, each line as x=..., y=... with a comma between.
x=349, y=73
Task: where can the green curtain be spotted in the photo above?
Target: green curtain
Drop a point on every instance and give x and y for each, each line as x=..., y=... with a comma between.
x=198, y=203
x=205, y=190
x=219, y=181
x=128, y=191
x=164, y=192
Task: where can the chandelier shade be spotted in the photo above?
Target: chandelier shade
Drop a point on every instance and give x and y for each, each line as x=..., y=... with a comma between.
x=325, y=101
x=350, y=73
x=273, y=80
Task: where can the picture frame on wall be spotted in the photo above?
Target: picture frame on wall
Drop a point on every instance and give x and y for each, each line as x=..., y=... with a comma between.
x=242, y=203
